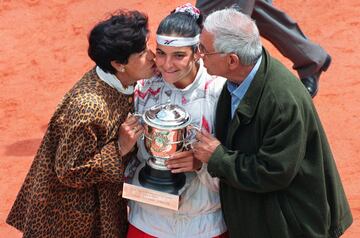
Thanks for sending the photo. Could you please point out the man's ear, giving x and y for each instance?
(117, 66)
(233, 61)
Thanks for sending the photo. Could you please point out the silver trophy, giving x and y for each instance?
(168, 129)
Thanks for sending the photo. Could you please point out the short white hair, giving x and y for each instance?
(235, 32)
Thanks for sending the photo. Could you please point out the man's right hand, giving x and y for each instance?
(205, 146)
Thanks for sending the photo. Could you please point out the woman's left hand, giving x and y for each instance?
(183, 161)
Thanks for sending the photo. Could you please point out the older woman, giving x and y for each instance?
(72, 187)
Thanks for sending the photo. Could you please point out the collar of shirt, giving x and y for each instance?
(114, 82)
(238, 91)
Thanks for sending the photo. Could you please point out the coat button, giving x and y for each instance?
(130, 99)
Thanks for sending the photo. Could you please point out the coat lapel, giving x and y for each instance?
(223, 112)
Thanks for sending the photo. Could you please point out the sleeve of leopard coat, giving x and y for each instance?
(80, 164)
(86, 154)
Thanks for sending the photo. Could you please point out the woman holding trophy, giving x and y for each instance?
(185, 82)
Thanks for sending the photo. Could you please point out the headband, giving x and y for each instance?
(177, 41)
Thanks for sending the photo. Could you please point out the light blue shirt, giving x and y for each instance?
(237, 92)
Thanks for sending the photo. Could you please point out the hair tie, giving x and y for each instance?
(188, 8)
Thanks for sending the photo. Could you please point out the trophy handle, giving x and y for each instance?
(191, 131)
(136, 114)
(139, 116)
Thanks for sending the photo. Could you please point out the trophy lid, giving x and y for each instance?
(167, 116)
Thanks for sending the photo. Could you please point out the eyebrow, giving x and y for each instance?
(176, 52)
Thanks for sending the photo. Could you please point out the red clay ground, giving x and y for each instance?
(43, 52)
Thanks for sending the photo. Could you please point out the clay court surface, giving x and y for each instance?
(43, 53)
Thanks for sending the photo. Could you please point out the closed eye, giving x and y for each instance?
(160, 53)
(179, 56)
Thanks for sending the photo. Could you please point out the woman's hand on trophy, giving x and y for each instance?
(129, 131)
(183, 161)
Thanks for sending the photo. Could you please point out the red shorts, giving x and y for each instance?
(134, 232)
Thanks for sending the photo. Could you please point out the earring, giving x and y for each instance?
(122, 69)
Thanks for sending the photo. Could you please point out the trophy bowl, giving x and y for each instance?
(167, 130)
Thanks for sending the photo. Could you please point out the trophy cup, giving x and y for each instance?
(167, 129)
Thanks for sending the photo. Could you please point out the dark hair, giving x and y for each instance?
(116, 38)
(181, 24)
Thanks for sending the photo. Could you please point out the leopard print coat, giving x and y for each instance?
(73, 184)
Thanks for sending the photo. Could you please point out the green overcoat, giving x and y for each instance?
(277, 174)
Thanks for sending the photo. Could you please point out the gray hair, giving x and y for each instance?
(235, 32)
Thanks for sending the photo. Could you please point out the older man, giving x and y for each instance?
(277, 174)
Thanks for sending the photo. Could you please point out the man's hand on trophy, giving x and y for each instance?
(205, 146)
(183, 161)
(129, 131)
